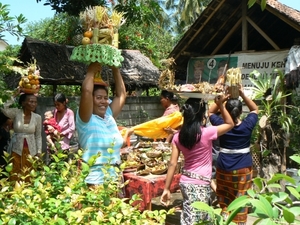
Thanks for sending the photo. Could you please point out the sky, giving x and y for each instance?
(35, 12)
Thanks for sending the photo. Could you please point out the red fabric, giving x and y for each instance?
(51, 122)
(148, 187)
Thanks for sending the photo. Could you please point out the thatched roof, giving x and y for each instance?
(219, 30)
(137, 70)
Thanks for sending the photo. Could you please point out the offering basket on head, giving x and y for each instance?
(99, 39)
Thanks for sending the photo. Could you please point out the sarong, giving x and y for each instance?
(231, 185)
(21, 165)
(192, 193)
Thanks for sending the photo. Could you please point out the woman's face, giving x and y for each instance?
(165, 102)
(60, 106)
(101, 102)
(30, 103)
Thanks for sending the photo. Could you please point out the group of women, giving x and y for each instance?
(194, 139)
(98, 132)
(27, 130)
(234, 163)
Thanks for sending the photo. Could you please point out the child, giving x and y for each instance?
(52, 129)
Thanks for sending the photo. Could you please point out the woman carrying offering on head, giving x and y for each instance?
(194, 140)
(234, 163)
(96, 125)
(27, 138)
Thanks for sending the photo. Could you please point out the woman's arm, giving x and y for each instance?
(7, 111)
(228, 122)
(165, 198)
(249, 103)
(86, 100)
(120, 93)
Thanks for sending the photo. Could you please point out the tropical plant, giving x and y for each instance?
(12, 25)
(57, 194)
(7, 58)
(268, 202)
(275, 123)
(60, 29)
(151, 40)
(294, 143)
(140, 12)
(184, 13)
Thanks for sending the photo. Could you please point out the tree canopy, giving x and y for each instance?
(10, 24)
(72, 7)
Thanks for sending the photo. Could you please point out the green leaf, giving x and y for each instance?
(295, 158)
(251, 193)
(239, 202)
(279, 197)
(60, 221)
(251, 3)
(288, 216)
(275, 212)
(293, 191)
(12, 221)
(203, 206)
(258, 181)
(278, 177)
(295, 210)
(263, 4)
(262, 207)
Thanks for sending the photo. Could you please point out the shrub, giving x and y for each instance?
(57, 194)
(268, 203)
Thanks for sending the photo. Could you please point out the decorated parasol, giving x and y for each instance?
(99, 39)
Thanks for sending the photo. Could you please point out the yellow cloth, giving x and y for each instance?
(155, 128)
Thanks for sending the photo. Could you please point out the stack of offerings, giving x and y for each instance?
(30, 78)
(233, 81)
(99, 39)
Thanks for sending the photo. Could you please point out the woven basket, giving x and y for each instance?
(29, 91)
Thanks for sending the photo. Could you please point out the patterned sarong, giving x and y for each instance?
(230, 185)
(21, 165)
(192, 193)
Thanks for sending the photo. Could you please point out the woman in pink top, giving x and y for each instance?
(65, 119)
(194, 140)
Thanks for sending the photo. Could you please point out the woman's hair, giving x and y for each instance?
(23, 98)
(97, 87)
(169, 95)
(59, 97)
(234, 107)
(3, 118)
(193, 119)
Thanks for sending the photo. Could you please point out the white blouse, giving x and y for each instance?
(32, 132)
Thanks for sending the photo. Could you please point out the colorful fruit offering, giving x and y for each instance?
(30, 76)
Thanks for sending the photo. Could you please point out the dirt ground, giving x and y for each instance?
(175, 201)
